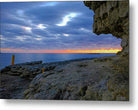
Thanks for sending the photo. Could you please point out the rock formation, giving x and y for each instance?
(112, 17)
(105, 78)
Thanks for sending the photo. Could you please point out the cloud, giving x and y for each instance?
(27, 29)
(67, 18)
(41, 26)
(20, 12)
(51, 25)
(66, 35)
(49, 4)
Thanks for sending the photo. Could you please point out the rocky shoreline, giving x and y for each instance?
(83, 79)
(105, 78)
(24, 73)
(31, 69)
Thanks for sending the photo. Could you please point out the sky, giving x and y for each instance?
(52, 27)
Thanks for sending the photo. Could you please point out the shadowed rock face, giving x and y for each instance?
(112, 17)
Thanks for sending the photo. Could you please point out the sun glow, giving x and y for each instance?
(111, 50)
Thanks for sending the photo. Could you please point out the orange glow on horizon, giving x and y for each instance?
(103, 50)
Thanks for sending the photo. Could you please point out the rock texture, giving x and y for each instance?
(25, 70)
(112, 17)
(90, 79)
(97, 79)
(15, 79)
(105, 78)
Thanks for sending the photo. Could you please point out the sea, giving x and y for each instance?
(5, 58)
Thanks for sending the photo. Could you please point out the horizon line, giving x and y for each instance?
(102, 50)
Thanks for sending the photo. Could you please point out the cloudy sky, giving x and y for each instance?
(50, 26)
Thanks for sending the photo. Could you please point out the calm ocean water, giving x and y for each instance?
(5, 58)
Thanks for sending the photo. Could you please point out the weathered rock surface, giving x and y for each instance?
(94, 79)
(112, 17)
(82, 80)
(26, 70)
(12, 87)
(16, 78)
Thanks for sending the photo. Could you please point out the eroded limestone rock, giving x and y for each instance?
(112, 17)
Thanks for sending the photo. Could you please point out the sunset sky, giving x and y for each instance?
(52, 27)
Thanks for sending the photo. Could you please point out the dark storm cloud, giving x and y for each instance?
(54, 14)
(50, 25)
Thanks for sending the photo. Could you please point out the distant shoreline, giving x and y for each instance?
(48, 59)
(41, 64)
(31, 63)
